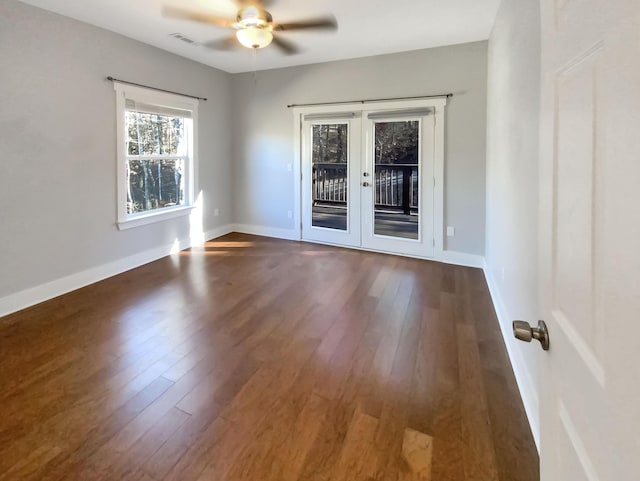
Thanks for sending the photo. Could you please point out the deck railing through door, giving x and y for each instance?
(396, 186)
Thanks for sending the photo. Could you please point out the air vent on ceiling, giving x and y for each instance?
(181, 37)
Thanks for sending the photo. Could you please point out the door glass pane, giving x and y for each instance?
(329, 176)
(396, 179)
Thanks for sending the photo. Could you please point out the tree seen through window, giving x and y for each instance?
(156, 148)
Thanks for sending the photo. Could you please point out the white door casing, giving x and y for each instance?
(590, 240)
(431, 243)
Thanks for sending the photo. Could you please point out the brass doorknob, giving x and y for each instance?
(523, 331)
(365, 184)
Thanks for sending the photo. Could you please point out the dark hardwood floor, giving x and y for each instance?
(264, 360)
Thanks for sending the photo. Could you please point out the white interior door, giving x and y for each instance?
(590, 240)
(398, 181)
(331, 166)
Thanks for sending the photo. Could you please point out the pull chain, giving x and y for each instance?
(254, 62)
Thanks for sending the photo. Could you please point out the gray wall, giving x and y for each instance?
(512, 180)
(263, 128)
(58, 144)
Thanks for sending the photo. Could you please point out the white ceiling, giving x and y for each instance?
(366, 27)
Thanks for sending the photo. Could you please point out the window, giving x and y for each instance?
(156, 161)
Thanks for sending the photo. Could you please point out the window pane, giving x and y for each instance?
(396, 179)
(154, 184)
(329, 177)
(152, 134)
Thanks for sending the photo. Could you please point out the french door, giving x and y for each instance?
(367, 179)
(331, 207)
(397, 201)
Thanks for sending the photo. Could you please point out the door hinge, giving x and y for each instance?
(433, 242)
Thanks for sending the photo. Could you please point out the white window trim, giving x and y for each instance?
(123, 92)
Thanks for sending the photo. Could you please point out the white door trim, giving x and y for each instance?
(437, 104)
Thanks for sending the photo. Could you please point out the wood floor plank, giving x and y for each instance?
(351, 386)
(30, 465)
(325, 452)
(199, 453)
(221, 458)
(448, 447)
(169, 399)
(261, 359)
(417, 450)
(422, 399)
(202, 394)
(79, 416)
(169, 454)
(359, 457)
(396, 408)
(69, 463)
(301, 438)
(163, 430)
(479, 452)
(109, 463)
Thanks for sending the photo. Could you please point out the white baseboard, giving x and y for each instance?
(218, 232)
(277, 232)
(526, 385)
(448, 257)
(35, 295)
(460, 259)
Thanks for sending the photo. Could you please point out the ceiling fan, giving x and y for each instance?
(254, 26)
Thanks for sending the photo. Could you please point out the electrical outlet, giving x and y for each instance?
(289, 167)
(290, 214)
(216, 212)
(502, 273)
(451, 231)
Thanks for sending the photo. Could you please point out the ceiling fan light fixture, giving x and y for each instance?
(254, 27)
(254, 37)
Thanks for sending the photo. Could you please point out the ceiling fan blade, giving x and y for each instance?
(210, 18)
(320, 23)
(287, 47)
(226, 43)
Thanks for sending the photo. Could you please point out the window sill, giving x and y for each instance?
(151, 218)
